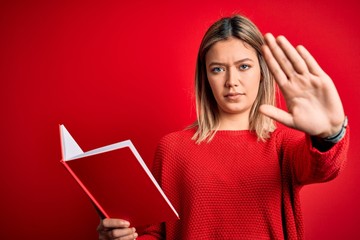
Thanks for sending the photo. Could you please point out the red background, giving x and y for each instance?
(111, 71)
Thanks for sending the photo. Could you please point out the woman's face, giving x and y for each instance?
(233, 72)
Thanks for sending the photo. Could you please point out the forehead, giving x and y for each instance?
(231, 49)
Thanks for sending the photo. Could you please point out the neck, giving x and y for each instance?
(234, 121)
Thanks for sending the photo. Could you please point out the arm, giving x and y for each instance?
(305, 163)
(153, 232)
(314, 107)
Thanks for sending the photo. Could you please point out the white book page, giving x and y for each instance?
(107, 148)
(69, 146)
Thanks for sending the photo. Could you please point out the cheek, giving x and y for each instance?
(253, 85)
(255, 88)
(215, 85)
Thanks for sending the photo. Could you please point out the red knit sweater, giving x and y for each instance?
(236, 187)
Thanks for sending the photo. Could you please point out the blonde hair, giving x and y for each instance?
(207, 111)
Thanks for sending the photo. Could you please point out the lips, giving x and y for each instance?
(234, 95)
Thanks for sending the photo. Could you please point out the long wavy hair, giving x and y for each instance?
(207, 111)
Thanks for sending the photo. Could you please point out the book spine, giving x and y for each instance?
(98, 207)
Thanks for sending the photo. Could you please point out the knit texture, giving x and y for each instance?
(236, 187)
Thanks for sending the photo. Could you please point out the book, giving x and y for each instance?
(117, 181)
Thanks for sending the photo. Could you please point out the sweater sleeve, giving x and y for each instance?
(309, 165)
(153, 232)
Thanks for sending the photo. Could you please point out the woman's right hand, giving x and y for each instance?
(111, 228)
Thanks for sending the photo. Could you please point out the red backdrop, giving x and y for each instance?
(116, 70)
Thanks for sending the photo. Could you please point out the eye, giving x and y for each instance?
(244, 66)
(217, 69)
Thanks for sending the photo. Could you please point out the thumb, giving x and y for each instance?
(277, 114)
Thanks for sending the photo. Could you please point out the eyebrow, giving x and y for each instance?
(237, 62)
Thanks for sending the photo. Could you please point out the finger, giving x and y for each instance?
(277, 114)
(100, 227)
(122, 233)
(274, 67)
(279, 55)
(310, 61)
(292, 54)
(115, 223)
(128, 237)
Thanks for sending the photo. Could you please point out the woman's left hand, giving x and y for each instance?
(313, 103)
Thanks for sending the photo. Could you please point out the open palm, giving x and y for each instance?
(313, 103)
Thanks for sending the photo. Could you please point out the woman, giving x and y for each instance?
(233, 174)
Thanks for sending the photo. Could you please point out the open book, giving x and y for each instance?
(117, 181)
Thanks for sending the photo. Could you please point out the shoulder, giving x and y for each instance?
(177, 139)
(174, 146)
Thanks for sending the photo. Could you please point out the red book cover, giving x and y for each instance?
(117, 181)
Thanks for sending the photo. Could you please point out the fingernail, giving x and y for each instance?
(126, 223)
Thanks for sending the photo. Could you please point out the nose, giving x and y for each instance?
(232, 78)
